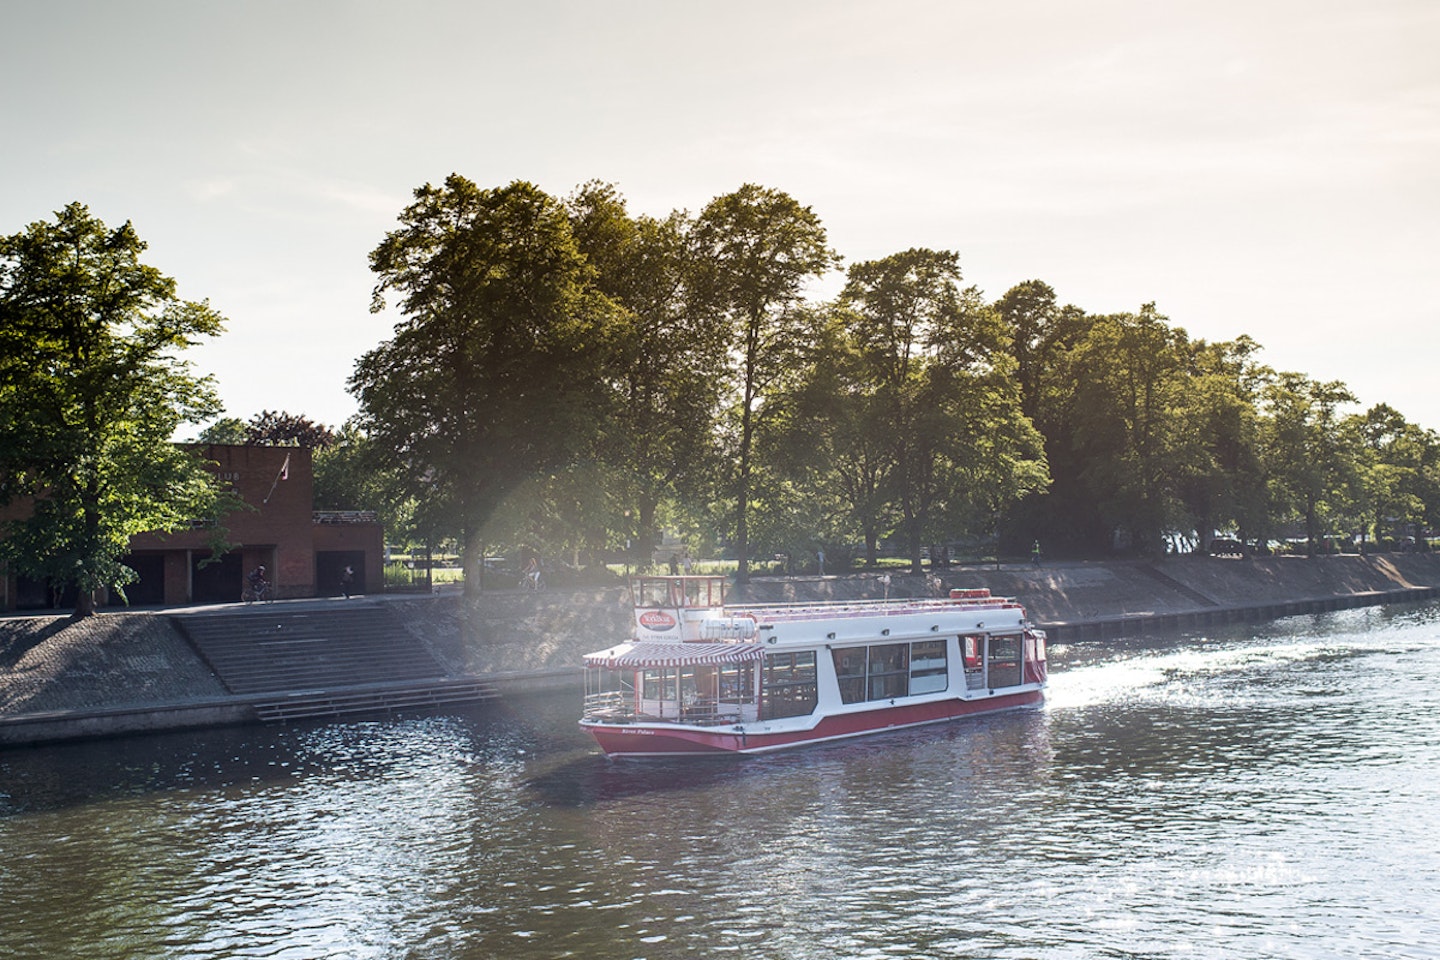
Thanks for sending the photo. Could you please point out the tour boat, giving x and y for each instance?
(702, 677)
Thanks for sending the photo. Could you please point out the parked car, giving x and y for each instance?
(1226, 547)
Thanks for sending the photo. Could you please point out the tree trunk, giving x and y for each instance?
(472, 563)
(84, 606)
(646, 535)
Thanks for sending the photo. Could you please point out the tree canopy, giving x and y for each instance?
(91, 394)
(570, 378)
(493, 374)
(755, 250)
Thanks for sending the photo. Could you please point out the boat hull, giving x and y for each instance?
(669, 740)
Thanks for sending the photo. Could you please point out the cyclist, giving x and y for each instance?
(532, 580)
(258, 585)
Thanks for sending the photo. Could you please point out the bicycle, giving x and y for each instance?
(533, 581)
(256, 592)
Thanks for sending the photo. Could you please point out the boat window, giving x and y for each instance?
(703, 593)
(661, 683)
(1005, 661)
(1034, 647)
(973, 652)
(889, 671)
(850, 671)
(736, 683)
(928, 673)
(652, 593)
(789, 686)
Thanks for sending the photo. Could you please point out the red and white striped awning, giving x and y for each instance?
(652, 653)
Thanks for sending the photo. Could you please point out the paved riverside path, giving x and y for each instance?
(134, 670)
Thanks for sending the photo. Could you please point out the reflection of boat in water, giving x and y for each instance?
(703, 677)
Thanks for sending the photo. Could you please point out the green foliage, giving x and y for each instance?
(229, 431)
(1311, 467)
(270, 428)
(352, 472)
(661, 368)
(935, 385)
(755, 249)
(493, 375)
(91, 394)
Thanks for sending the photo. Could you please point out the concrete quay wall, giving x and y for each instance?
(123, 673)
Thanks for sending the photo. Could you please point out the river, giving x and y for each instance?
(1258, 792)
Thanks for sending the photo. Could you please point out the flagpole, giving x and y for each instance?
(284, 474)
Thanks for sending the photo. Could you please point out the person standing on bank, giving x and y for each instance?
(347, 580)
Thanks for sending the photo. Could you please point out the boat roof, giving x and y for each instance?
(656, 653)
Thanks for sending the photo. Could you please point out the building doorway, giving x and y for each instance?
(330, 567)
(217, 581)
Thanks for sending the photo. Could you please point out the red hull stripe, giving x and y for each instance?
(637, 740)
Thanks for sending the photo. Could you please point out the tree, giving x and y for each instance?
(1129, 373)
(663, 361)
(1046, 340)
(353, 473)
(270, 428)
(494, 374)
(829, 437)
(91, 393)
(1393, 458)
(1310, 465)
(230, 431)
(938, 379)
(1217, 468)
(756, 248)
(1030, 312)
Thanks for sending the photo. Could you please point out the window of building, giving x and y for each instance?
(788, 686)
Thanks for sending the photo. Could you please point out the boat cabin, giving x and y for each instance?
(689, 660)
(695, 661)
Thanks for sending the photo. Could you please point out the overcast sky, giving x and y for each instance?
(1261, 167)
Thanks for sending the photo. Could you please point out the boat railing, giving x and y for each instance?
(619, 707)
(787, 612)
(613, 705)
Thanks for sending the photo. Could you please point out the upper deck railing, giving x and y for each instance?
(792, 612)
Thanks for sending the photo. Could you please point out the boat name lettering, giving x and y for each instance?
(656, 620)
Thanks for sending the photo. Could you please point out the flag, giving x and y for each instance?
(284, 474)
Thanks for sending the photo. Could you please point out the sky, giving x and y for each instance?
(1259, 167)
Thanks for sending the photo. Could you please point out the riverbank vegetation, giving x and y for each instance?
(572, 381)
(909, 414)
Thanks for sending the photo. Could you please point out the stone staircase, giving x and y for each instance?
(1151, 571)
(355, 658)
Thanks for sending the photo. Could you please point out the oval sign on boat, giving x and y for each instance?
(657, 620)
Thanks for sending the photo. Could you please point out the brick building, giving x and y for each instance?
(304, 551)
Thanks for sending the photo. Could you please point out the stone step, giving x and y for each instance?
(331, 703)
(280, 650)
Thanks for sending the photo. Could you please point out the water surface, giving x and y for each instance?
(1259, 793)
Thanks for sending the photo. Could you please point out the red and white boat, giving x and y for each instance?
(703, 677)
